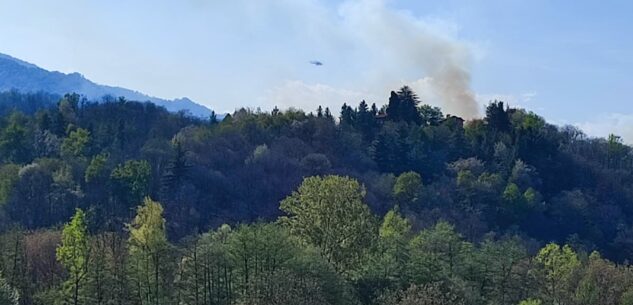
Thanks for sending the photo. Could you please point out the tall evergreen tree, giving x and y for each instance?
(347, 115)
(394, 107)
(328, 114)
(213, 118)
(497, 117)
(409, 105)
(366, 121)
(403, 106)
(319, 112)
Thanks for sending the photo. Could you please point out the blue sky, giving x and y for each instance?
(569, 61)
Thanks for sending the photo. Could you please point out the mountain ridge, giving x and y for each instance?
(16, 74)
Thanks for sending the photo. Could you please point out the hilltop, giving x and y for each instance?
(16, 74)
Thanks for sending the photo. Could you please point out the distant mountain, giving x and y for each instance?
(27, 77)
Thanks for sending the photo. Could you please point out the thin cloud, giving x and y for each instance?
(297, 94)
(620, 124)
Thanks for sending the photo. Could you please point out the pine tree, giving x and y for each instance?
(328, 114)
(409, 105)
(393, 108)
(374, 109)
(347, 115)
(213, 118)
(403, 106)
(366, 121)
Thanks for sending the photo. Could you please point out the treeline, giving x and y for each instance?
(328, 249)
(508, 175)
(29, 103)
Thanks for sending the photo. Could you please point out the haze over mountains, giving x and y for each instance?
(26, 77)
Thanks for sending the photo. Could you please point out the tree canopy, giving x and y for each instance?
(121, 202)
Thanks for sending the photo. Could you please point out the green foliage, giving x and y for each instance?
(403, 106)
(497, 116)
(616, 151)
(8, 178)
(96, 168)
(627, 297)
(512, 194)
(394, 226)
(430, 294)
(558, 262)
(73, 254)
(274, 270)
(499, 269)
(465, 178)
(260, 152)
(408, 186)
(256, 264)
(531, 196)
(149, 262)
(76, 144)
(557, 265)
(208, 270)
(68, 107)
(389, 148)
(531, 302)
(13, 262)
(601, 282)
(430, 116)
(259, 250)
(8, 294)
(386, 267)
(316, 164)
(131, 180)
(106, 280)
(523, 175)
(147, 230)
(329, 213)
(438, 254)
(531, 121)
(14, 144)
(508, 174)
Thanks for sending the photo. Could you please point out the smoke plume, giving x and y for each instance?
(452, 84)
(406, 46)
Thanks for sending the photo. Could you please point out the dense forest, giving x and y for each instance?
(121, 202)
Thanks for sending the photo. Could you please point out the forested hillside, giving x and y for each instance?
(19, 75)
(127, 203)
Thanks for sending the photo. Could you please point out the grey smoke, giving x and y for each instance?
(403, 44)
(452, 83)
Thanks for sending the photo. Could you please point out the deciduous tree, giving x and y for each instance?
(329, 213)
(74, 254)
(149, 262)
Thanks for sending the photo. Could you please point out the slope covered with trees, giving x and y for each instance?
(19, 75)
(126, 203)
